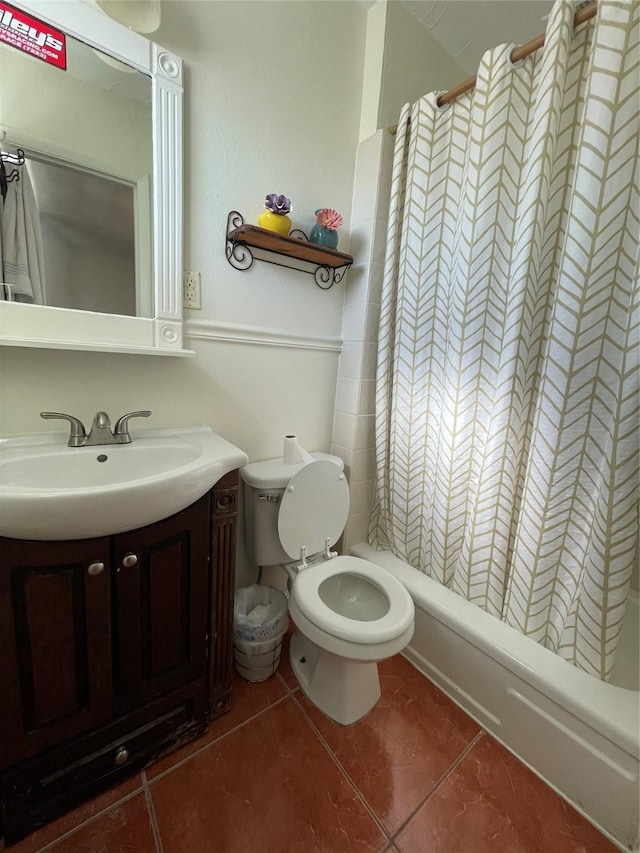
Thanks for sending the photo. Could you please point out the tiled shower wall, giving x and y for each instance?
(353, 429)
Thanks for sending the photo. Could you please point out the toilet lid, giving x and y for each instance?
(314, 508)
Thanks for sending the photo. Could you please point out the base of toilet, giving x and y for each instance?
(342, 689)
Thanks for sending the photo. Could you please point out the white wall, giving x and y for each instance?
(272, 104)
(264, 112)
(373, 67)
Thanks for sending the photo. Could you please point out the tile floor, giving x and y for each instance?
(274, 775)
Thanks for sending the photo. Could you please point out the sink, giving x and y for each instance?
(51, 491)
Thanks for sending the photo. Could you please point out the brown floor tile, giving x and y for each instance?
(269, 787)
(52, 831)
(495, 804)
(403, 746)
(247, 700)
(125, 828)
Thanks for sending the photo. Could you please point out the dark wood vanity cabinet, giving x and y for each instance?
(55, 644)
(113, 651)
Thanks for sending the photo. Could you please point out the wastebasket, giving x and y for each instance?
(259, 625)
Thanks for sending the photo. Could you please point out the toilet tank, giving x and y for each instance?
(265, 483)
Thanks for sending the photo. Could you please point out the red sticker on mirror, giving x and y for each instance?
(32, 36)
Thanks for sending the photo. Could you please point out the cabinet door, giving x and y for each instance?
(55, 643)
(162, 592)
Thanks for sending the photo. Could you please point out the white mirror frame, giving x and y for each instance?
(60, 328)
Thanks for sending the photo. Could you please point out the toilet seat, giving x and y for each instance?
(398, 618)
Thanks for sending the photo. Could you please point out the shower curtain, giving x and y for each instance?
(507, 388)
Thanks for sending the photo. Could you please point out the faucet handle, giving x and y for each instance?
(77, 436)
(121, 429)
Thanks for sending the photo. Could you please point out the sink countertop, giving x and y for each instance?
(49, 491)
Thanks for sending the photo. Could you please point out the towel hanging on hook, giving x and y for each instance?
(16, 159)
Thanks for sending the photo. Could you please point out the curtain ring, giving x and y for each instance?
(438, 107)
(510, 62)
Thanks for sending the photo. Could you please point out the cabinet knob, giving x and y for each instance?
(122, 756)
(129, 560)
(95, 568)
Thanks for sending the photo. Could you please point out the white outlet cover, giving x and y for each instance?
(191, 290)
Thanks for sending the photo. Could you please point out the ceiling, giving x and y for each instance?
(467, 28)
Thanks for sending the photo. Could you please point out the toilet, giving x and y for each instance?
(348, 613)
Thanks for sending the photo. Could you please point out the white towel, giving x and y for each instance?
(21, 252)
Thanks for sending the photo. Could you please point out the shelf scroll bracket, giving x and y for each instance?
(326, 277)
(239, 255)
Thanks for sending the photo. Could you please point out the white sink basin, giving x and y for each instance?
(51, 491)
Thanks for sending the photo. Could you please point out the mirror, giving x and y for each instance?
(109, 204)
(90, 179)
(87, 234)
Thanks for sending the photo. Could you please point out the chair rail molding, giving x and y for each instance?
(258, 335)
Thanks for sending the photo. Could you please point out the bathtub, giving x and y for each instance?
(578, 733)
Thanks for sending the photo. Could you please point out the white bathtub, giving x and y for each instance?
(581, 735)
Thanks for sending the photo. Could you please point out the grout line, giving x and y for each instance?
(358, 793)
(152, 813)
(218, 739)
(439, 782)
(290, 690)
(91, 819)
(145, 783)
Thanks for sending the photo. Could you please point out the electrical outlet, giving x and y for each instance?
(191, 290)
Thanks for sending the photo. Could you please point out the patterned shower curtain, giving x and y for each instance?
(507, 398)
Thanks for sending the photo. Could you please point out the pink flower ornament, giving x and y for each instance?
(329, 218)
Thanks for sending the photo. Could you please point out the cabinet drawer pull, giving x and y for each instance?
(129, 560)
(122, 756)
(95, 568)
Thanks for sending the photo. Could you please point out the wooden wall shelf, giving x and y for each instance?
(329, 265)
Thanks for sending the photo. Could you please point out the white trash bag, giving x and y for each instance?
(260, 623)
(259, 613)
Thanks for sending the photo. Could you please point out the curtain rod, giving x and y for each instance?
(517, 54)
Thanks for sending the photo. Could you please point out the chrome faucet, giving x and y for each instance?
(100, 430)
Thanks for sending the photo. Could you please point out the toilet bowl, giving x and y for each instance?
(348, 618)
(349, 613)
